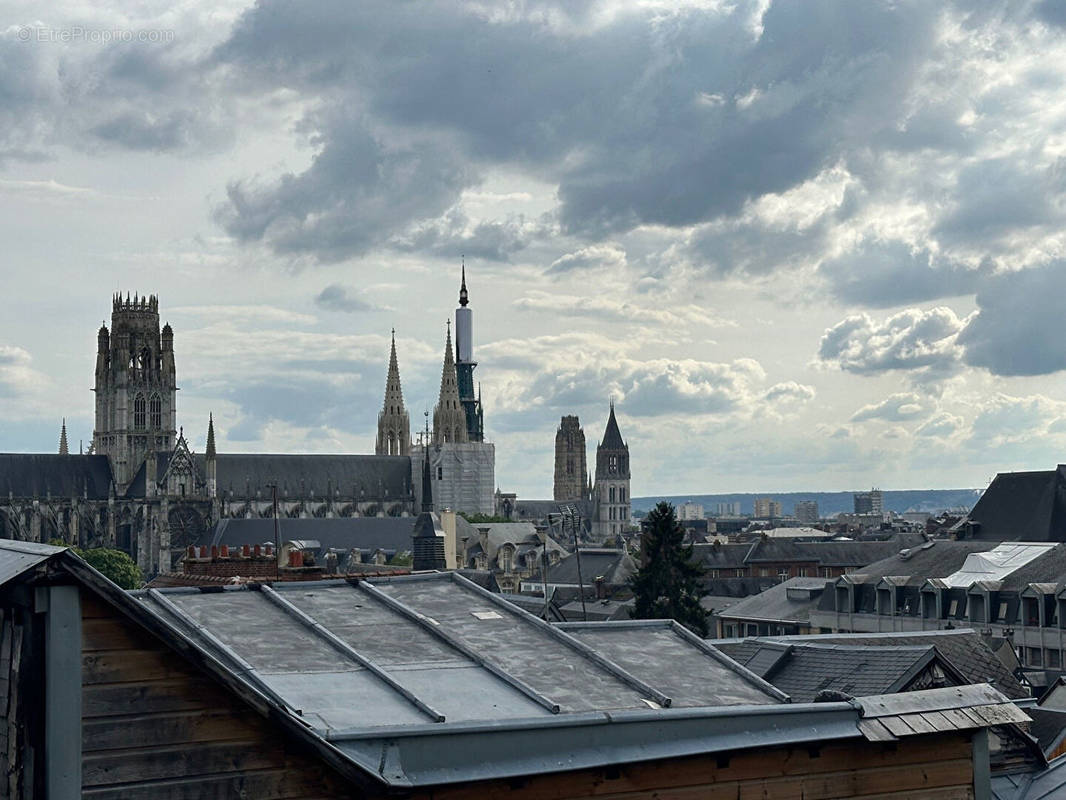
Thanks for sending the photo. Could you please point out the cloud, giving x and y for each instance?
(899, 407)
(598, 256)
(910, 340)
(339, 298)
(1016, 328)
(883, 274)
(17, 376)
(609, 309)
(941, 425)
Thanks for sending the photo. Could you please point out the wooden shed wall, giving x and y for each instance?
(933, 767)
(155, 727)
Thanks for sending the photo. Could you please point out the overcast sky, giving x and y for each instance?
(804, 245)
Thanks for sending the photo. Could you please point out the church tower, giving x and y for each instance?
(136, 391)
(465, 364)
(394, 423)
(449, 420)
(570, 466)
(611, 492)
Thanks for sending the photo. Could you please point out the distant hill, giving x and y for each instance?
(829, 503)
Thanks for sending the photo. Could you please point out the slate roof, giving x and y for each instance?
(615, 566)
(963, 648)
(359, 477)
(596, 610)
(1048, 726)
(612, 437)
(721, 556)
(368, 534)
(1023, 506)
(780, 603)
(936, 559)
(40, 474)
(802, 670)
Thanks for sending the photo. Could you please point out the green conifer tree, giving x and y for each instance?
(667, 585)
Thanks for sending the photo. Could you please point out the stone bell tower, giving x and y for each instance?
(136, 391)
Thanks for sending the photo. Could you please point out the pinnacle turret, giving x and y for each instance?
(63, 449)
(449, 418)
(394, 423)
(463, 297)
(209, 451)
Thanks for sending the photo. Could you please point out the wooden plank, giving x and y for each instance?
(126, 766)
(185, 694)
(297, 780)
(118, 666)
(738, 767)
(898, 781)
(898, 725)
(918, 723)
(873, 730)
(116, 733)
(92, 607)
(940, 721)
(113, 634)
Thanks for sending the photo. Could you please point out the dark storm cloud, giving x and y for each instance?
(339, 298)
(644, 119)
(1016, 330)
(886, 274)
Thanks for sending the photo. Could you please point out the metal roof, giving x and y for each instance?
(381, 652)
(17, 557)
(428, 680)
(997, 563)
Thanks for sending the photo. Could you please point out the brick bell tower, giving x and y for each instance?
(136, 390)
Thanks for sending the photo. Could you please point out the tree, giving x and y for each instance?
(113, 564)
(667, 585)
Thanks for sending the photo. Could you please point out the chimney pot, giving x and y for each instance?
(245, 551)
(214, 552)
(257, 550)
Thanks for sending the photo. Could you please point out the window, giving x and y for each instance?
(622, 495)
(507, 559)
(610, 493)
(138, 412)
(155, 408)
(954, 608)
(440, 473)
(1034, 654)
(1002, 615)
(1053, 659)
(801, 572)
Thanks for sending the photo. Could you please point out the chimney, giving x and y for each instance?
(601, 588)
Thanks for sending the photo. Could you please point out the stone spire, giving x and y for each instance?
(394, 423)
(63, 450)
(449, 418)
(210, 450)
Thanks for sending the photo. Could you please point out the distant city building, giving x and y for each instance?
(766, 507)
(571, 468)
(690, 510)
(871, 502)
(731, 509)
(806, 511)
(610, 496)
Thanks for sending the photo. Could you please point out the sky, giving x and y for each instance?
(810, 245)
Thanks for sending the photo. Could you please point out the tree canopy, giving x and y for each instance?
(115, 565)
(667, 585)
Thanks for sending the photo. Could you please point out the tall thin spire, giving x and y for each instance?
(210, 449)
(394, 423)
(463, 298)
(63, 450)
(449, 418)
